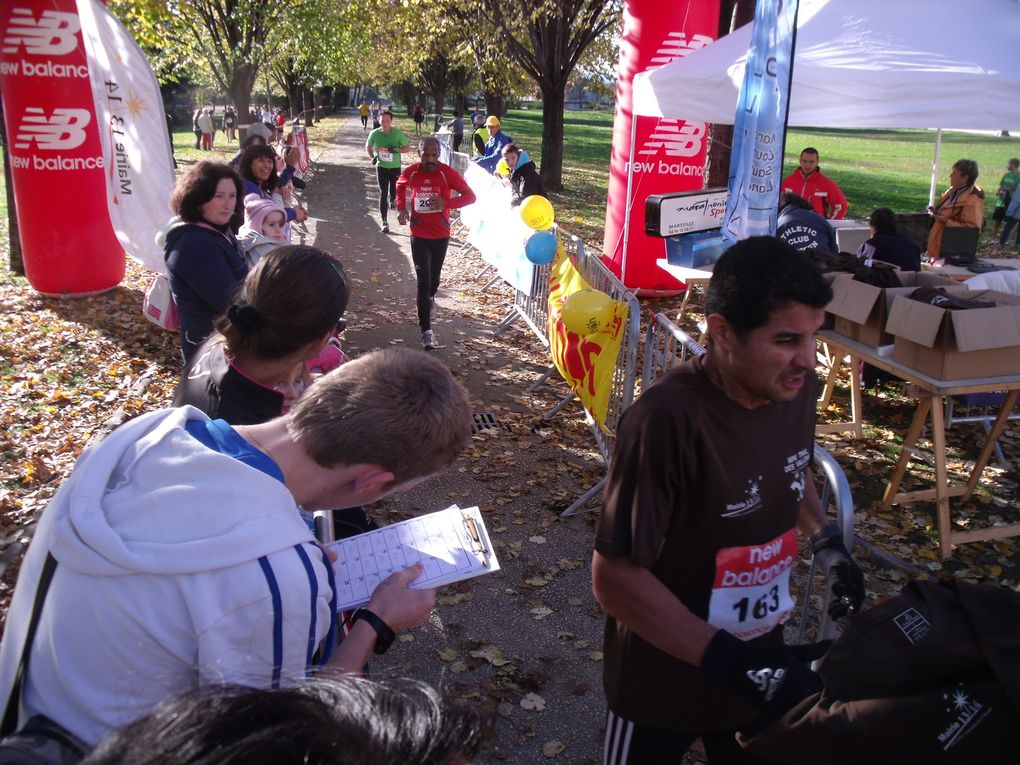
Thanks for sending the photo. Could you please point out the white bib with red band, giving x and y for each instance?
(751, 593)
(427, 202)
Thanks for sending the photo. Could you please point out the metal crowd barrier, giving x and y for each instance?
(624, 379)
(667, 346)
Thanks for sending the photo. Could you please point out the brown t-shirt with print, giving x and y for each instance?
(706, 495)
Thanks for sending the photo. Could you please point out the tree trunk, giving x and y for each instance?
(309, 107)
(439, 99)
(241, 85)
(495, 104)
(14, 259)
(552, 138)
(732, 15)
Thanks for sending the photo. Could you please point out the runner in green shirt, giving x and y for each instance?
(384, 146)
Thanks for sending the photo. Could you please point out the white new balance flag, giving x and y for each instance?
(136, 146)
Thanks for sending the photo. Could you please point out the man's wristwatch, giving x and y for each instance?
(384, 635)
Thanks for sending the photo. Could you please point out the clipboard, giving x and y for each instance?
(452, 545)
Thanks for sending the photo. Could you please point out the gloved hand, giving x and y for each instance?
(375, 159)
(844, 577)
(773, 678)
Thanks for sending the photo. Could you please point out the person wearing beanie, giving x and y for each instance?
(493, 151)
(264, 229)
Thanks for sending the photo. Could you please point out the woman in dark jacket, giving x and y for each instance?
(524, 177)
(203, 261)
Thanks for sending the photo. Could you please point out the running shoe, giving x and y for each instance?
(428, 341)
(385, 227)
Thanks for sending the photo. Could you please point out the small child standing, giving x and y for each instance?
(264, 229)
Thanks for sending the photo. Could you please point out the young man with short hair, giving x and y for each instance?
(182, 560)
(821, 191)
(709, 483)
(434, 188)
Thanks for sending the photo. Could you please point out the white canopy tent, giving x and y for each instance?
(865, 64)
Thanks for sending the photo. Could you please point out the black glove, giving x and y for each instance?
(772, 678)
(845, 579)
(375, 159)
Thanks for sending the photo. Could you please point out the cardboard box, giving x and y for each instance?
(860, 310)
(958, 345)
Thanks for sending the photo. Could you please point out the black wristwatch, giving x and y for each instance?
(384, 635)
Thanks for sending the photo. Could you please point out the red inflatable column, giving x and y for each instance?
(669, 155)
(60, 187)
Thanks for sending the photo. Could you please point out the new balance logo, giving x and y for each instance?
(676, 45)
(64, 129)
(674, 138)
(54, 34)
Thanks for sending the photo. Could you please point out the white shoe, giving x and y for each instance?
(429, 342)
(385, 227)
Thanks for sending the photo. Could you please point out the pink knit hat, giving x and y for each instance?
(256, 209)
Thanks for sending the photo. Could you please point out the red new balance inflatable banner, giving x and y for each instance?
(669, 155)
(57, 164)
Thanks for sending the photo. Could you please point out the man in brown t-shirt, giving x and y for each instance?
(709, 483)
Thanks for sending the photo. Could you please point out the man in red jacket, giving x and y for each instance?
(435, 189)
(821, 191)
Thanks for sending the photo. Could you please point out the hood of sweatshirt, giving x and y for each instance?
(152, 499)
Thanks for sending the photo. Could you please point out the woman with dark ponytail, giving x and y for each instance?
(287, 310)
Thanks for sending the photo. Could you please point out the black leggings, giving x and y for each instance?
(364, 121)
(627, 743)
(387, 177)
(428, 256)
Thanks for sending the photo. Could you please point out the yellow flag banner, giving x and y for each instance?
(586, 361)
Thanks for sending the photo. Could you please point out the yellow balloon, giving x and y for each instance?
(502, 168)
(587, 311)
(537, 212)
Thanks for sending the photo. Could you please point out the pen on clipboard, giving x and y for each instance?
(476, 537)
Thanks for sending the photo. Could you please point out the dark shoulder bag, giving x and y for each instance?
(41, 741)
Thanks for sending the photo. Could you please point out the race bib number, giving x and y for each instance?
(385, 155)
(427, 203)
(751, 592)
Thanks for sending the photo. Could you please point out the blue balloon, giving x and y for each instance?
(541, 247)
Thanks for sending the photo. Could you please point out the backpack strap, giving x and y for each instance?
(10, 719)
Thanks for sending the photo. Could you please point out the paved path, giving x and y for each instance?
(524, 644)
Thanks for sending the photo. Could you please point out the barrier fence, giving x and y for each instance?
(667, 346)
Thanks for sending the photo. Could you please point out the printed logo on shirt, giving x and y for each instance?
(912, 624)
(750, 502)
(54, 34)
(797, 464)
(969, 712)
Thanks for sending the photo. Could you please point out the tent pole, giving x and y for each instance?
(935, 167)
(630, 204)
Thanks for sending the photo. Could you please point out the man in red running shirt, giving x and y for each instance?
(821, 191)
(432, 186)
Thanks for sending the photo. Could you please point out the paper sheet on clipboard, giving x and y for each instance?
(453, 544)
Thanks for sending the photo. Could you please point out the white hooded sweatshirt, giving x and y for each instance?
(177, 566)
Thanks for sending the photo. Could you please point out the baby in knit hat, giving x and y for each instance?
(264, 229)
